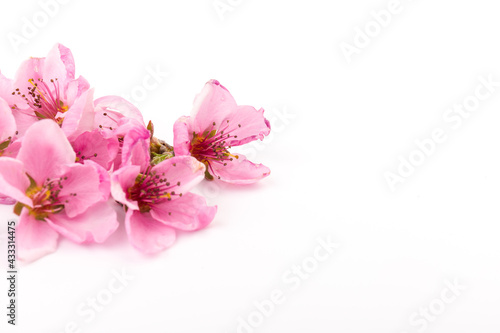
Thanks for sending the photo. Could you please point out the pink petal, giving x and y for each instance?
(80, 116)
(119, 105)
(121, 181)
(95, 225)
(146, 234)
(7, 123)
(93, 146)
(44, 149)
(213, 104)
(4, 200)
(104, 179)
(34, 238)
(13, 149)
(29, 69)
(240, 171)
(24, 120)
(59, 64)
(253, 126)
(6, 89)
(216, 105)
(135, 148)
(80, 188)
(182, 136)
(107, 121)
(13, 180)
(189, 212)
(185, 171)
(74, 89)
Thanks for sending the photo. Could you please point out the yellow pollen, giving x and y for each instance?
(235, 156)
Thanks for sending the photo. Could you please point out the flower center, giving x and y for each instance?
(44, 99)
(211, 146)
(150, 188)
(45, 198)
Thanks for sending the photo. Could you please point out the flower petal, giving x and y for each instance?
(118, 105)
(189, 212)
(95, 225)
(80, 116)
(13, 149)
(44, 150)
(4, 200)
(146, 234)
(121, 181)
(34, 238)
(80, 188)
(59, 64)
(213, 104)
(182, 136)
(24, 120)
(184, 172)
(104, 179)
(240, 171)
(7, 123)
(13, 180)
(74, 89)
(93, 146)
(30, 69)
(246, 124)
(6, 89)
(135, 149)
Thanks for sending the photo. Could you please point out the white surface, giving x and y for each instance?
(352, 121)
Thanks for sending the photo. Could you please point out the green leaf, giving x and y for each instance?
(18, 208)
(4, 144)
(208, 176)
(39, 115)
(32, 183)
(158, 158)
(212, 134)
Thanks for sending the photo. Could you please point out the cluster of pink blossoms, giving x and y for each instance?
(67, 161)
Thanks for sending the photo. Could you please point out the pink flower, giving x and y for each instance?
(120, 120)
(54, 194)
(158, 201)
(7, 133)
(46, 88)
(109, 110)
(7, 126)
(216, 124)
(95, 147)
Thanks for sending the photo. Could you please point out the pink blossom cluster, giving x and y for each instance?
(68, 161)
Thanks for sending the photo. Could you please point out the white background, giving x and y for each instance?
(338, 127)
